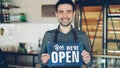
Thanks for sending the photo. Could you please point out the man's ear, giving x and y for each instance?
(74, 13)
(56, 14)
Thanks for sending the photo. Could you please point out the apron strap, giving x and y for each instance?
(75, 36)
(55, 37)
(73, 31)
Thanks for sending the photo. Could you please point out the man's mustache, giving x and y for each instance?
(65, 18)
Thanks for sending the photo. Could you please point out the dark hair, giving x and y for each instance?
(64, 2)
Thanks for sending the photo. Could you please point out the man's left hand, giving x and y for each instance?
(86, 56)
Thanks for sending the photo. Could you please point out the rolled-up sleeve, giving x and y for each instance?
(46, 38)
(82, 37)
(87, 47)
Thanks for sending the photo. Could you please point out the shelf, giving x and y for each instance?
(97, 37)
(92, 8)
(113, 2)
(16, 55)
(90, 2)
(98, 2)
(5, 6)
(9, 7)
(16, 66)
(114, 15)
(113, 40)
(106, 56)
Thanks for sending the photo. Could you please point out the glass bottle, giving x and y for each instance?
(39, 46)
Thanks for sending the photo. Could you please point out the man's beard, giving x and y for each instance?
(65, 24)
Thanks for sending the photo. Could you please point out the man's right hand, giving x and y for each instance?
(45, 57)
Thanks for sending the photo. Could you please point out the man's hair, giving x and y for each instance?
(64, 2)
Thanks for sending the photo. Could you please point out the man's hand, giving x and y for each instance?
(45, 58)
(86, 56)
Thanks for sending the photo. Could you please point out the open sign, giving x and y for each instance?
(65, 54)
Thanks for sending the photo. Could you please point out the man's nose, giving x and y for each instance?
(65, 15)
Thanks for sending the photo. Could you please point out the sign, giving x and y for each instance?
(65, 54)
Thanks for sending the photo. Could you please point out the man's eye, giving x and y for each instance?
(60, 11)
(69, 11)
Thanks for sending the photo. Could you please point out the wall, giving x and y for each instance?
(28, 32)
(31, 8)
(32, 30)
(24, 32)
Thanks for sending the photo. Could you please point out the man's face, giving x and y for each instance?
(65, 14)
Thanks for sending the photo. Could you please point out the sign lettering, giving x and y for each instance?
(65, 54)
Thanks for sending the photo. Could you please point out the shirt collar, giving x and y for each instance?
(58, 29)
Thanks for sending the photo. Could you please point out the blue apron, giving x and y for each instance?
(65, 54)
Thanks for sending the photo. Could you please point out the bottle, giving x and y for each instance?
(7, 17)
(39, 46)
(1, 17)
(22, 48)
(23, 17)
(4, 16)
(5, 3)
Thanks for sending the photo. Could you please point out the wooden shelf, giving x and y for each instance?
(92, 8)
(98, 37)
(17, 66)
(10, 7)
(16, 55)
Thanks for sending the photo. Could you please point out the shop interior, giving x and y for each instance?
(23, 24)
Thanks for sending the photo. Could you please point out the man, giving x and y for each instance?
(65, 33)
